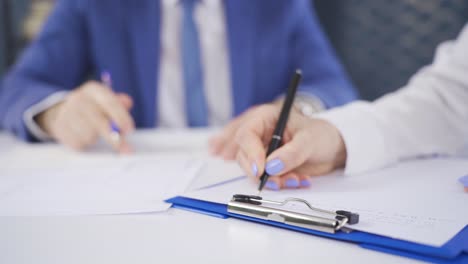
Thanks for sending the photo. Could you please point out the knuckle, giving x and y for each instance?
(74, 96)
(91, 85)
(267, 109)
(108, 103)
(87, 87)
(93, 88)
(261, 109)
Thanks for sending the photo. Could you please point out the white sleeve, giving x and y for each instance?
(428, 116)
(36, 109)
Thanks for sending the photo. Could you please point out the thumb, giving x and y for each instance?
(288, 157)
(125, 100)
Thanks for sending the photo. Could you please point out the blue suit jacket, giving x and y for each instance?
(268, 40)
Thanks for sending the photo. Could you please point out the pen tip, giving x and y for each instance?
(106, 78)
(298, 71)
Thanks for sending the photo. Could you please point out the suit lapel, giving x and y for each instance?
(239, 26)
(144, 31)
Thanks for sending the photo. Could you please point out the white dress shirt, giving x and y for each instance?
(210, 20)
(428, 116)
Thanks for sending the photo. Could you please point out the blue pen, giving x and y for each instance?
(106, 78)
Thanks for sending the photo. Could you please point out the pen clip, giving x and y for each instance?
(252, 199)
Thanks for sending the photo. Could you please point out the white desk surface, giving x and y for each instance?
(175, 236)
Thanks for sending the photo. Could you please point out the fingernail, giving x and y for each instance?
(305, 183)
(254, 169)
(464, 180)
(274, 167)
(114, 127)
(292, 183)
(272, 185)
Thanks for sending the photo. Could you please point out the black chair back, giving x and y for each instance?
(383, 43)
(3, 36)
(12, 14)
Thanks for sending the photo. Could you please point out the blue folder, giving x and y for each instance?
(454, 251)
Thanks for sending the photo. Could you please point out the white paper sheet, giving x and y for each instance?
(418, 201)
(45, 179)
(104, 185)
(216, 171)
(15, 154)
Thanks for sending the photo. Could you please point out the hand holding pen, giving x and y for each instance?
(87, 113)
(116, 134)
(277, 137)
(307, 147)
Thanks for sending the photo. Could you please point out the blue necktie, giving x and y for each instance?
(196, 108)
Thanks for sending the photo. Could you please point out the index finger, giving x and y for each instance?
(110, 105)
(251, 146)
(105, 128)
(251, 137)
(119, 143)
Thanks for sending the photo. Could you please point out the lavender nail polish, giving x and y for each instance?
(292, 183)
(305, 183)
(272, 185)
(464, 180)
(274, 167)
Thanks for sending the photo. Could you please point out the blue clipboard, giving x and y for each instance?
(454, 251)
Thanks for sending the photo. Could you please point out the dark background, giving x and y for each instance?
(381, 43)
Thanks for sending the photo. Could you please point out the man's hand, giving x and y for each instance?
(86, 114)
(311, 147)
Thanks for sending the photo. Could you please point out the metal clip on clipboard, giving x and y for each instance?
(254, 206)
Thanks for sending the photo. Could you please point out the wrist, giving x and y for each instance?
(341, 156)
(46, 119)
(336, 145)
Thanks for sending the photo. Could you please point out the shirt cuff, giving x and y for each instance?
(34, 110)
(365, 144)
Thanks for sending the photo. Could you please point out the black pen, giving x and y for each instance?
(277, 137)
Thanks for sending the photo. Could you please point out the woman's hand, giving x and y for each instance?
(310, 147)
